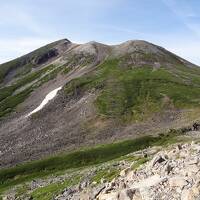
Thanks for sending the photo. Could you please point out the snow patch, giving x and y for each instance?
(48, 97)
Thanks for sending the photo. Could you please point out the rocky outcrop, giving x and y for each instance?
(171, 174)
(46, 56)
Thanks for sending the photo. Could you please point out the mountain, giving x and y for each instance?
(92, 94)
(95, 121)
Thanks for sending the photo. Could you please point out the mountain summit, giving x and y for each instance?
(64, 96)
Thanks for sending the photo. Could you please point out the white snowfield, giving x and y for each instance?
(48, 97)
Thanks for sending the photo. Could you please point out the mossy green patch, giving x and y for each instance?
(9, 100)
(50, 191)
(22, 190)
(8, 91)
(66, 69)
(139, 162)
(106, 174)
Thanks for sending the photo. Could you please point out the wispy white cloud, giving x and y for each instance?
(186, 13)
(16, 15)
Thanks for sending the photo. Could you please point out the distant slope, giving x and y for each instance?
(108, 93)
(25, 64)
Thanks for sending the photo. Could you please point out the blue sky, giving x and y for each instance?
(28, 24)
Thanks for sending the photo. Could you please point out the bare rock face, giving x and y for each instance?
(46, 56)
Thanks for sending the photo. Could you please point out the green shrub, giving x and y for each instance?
(80, 158)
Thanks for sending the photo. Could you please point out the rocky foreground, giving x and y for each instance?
(156, 173)
(173, 173)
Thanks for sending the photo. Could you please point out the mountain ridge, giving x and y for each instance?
(109, 93)
(60, 45)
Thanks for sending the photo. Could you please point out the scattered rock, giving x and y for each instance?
(158, 159)
(110, 196)
(124, 172)
(126, 194)
(171, 174)
(177, 182)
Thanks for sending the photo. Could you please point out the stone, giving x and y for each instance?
(193, 161)
(150, 181)
(157, 159)
(109, 196)
(126, 194)
(137, 197)
(124, 172)
(152, 151)
(179, 147)
(191, 194)
(96, 191)
(191, 170)
(68, 192)
(177, 182)
(94, 183)
(83, 184)
(103, 180)
(172, 174)
(130, 175)
(167, 168)
(122, 185)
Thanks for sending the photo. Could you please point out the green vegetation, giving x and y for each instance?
(125, 93)
(106, 174)
(81, 158)
(139, 162)
(80, 59)
(22, 71)
(23, 67)
(7, 67)
(66, 69)
(134, 94)
(9, 100)
(24, 63)
(21, 190)
(7, 91)
(51, 190)
(53, 72)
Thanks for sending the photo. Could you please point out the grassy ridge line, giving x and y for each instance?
(86, 157)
